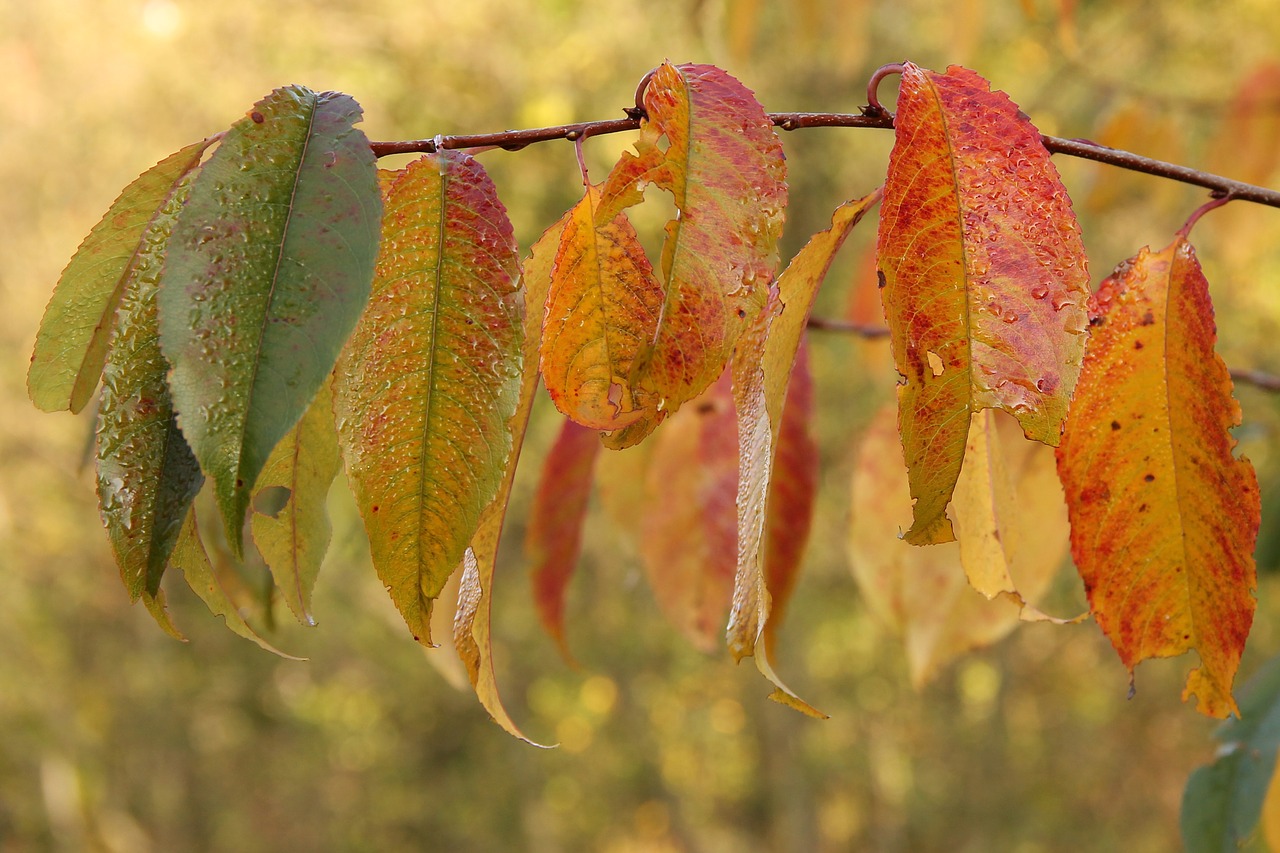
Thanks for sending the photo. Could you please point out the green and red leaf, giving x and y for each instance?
(71, 346)
(984, 274)
(718, 258)
(1163, 516)
(431, 376)
(266, 274)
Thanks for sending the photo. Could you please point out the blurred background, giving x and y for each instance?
(114, 737)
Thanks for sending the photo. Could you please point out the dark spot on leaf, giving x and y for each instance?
(1137, 345)
(1143, 508)
(239, 483)
(706, 408)
(373, 508)
(258, 118)
(1150, 478)
(1115, 425)
(741, 313)
(1148, 319)
(1097, 321)
(880, 282)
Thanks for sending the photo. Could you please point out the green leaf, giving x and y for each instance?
(290, 521)
(190, 557)
(431, 376)
(266, 275)
(147, 476)
(71, 346)
(1223, 800)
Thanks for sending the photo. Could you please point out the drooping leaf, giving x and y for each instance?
(266, 274)
(985, 278)
(471, 625)
(554, 537)
(146, 474)
(723, 164)
(71, 346)
(190, 558)
(762, 367)
(601, 312)
(1163, 516)
(294, 535)
(1222, 801)
(793, 490)
(920, 592)
(688, 532)
(429, 380)
(1009, 513)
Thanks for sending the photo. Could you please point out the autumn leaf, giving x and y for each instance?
(293, 536)
(147, 476)
(554, 536)
(71, 346)
(267, 271)
(472, 622)
(1163, 516)
(1009, 513)
(762, 368)
(984, 277)
(601, 311)
(719, 254)
(190, 557)
(430, 377)
(922, 592)
(688, 532)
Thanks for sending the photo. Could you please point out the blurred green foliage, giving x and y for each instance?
(113, 737)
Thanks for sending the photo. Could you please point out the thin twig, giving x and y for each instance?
(514, 140)
(1257, 378)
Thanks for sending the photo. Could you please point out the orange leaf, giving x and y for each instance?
(602, 308)
(1163, 517)
(688, 533)
(554, 536)
(984, 278)
(724, 165)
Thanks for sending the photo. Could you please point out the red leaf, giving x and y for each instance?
(554, 536)
(984, 278)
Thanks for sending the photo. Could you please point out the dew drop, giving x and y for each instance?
(1040, 291)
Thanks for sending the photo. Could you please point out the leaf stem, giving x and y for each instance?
(514, 140)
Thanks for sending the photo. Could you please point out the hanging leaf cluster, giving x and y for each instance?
(265, 308)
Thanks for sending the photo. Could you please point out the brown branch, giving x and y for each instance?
(1256, 378)
(514, 140)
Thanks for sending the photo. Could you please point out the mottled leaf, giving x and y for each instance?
(471, 625)
(146, 474)
(984, 277)
(723, 164)
(293, 534)
(921, 593)
(601, 311)
(1163, 517)
(553, 539)
(688, 532)
(431, 376)
(266, 274)
(71, 346)
(1222, 801)
(190, 558)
